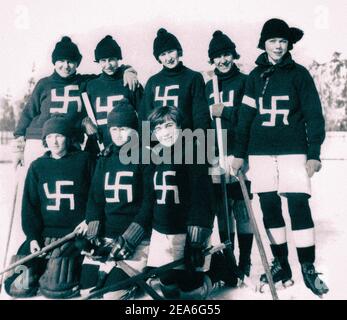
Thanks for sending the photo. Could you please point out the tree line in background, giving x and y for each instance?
(331, 82)
(330, 79)
(11, 109)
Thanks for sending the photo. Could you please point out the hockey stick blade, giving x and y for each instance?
(141, 283)
(151, 273)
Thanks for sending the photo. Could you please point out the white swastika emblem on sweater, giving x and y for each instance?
(58, 195)
(108, 108)
(66, 99)
(167, 97)
(117, 186)
(227, 103)
(274, 111)
(165, 187)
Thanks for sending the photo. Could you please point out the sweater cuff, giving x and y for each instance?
(314, 152)
(93, 229)
(198, 234)
(134, 234)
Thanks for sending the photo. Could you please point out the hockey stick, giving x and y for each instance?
(38, 253)
(91, 115)
(9, 235)
(131, 272)
(257, 235)
(221, 155)
(223, 217)
(151, 273)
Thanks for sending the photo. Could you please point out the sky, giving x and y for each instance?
(30, 29)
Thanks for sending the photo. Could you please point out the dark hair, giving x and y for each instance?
(163, 114)
(226, 52)
(69, 143)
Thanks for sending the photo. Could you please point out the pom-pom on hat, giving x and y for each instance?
(165, 41)
(106, 48)
(65, 49)
(221, 43)
(123, 115)
(277, 28)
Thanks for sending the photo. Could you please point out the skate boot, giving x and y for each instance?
(244, 269)
(312, 281)
(281, 274)
(222, 270)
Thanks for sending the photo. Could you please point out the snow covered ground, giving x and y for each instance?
(328, 205)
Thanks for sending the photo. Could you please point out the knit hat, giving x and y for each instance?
(221, 43)
(66, 49)
(123, 115)
(277, 28)
(58, 123)
(165, 41)
(107, 48)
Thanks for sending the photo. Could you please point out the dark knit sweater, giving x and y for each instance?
(52, 94)
(55, 195)
(231, 86)
(281, 112)
(176, 195)
(115, 195)
(104, 91)
(180, 87)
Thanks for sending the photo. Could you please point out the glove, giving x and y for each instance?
(217, 109)
(196, 243)
(125, 245)
(18, 146)
(107, 151)
(89, 127)
(93, 230)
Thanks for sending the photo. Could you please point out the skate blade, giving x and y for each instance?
(263, 287)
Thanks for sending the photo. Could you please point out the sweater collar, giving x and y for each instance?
(71, 151)
(116, 76)
(234, 71)
(175, 71)
(286, 62)
(58, 78)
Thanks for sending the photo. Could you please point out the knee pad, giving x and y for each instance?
(299, 211)
(61, 277)
(23, 281)
(271, 207)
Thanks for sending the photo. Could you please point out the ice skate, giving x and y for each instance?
(281, 276)
(312, 281)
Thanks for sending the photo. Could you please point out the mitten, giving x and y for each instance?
(125, 245)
